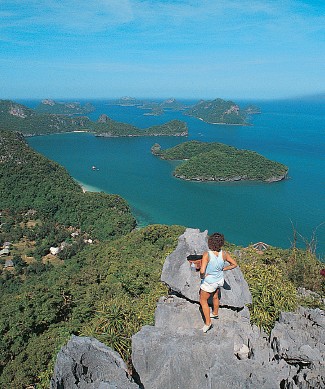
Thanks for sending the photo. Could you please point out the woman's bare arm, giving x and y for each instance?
(232, 262)
(205, 260)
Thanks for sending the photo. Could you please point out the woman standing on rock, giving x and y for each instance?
(211, 273)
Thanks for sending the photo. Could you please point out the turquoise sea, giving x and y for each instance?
(291, 132)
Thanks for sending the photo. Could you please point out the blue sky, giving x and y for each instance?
(190, 49)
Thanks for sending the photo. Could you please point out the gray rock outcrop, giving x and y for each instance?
(233, 354)
(176, 354)
(85, 363)
(176, 272)
(104, 119)
(298, 338)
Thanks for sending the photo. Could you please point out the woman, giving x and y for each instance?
(211, 273)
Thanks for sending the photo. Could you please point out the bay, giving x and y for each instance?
(291, 132)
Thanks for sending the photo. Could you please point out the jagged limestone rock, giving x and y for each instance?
(176, 342)
(299, 339)
(85, 363)
(242, 352)
(233, 354)
(173, 313)
(246, 374)
(171, 358)
(176, 270)
(309, 346)
(177, 275)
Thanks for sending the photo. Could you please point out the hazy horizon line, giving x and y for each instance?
(75, 98)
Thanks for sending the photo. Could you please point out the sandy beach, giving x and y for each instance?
(88, 188)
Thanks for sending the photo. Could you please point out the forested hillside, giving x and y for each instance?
(30, 181)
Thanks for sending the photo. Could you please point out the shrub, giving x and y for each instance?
(271, 293)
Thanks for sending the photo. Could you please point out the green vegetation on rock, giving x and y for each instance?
(17, 117)
(217, 111)
(274, 277)
(107, 127)
(220, 162)
(61, 108)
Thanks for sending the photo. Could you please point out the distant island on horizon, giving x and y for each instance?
(30, 122)
(64, 108)
(51, 116)
(216, 111)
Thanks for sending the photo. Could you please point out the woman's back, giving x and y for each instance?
(214, 269)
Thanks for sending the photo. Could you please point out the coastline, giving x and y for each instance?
(141, 220)
(88, 188)
(58, 133)
(224, 124)
(233, 179)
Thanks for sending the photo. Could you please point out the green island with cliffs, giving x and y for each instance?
(219, 162)
(218, 111)
(17, 117)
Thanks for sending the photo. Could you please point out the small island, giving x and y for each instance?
(253, 110)
(218, 111)
(62, 108)
(205, 161)
(126, 101)
(155, 108)
(155, 111)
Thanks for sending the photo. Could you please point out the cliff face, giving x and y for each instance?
(175, 353)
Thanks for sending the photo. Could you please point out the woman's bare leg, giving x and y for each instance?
(215, 301)
(204, 296)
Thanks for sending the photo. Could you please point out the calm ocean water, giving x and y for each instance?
(291, 132)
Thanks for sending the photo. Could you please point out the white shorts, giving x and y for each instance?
(210, 288)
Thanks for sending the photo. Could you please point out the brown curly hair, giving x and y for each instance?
(216, 241)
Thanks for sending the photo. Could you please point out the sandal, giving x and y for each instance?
(206, 328)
